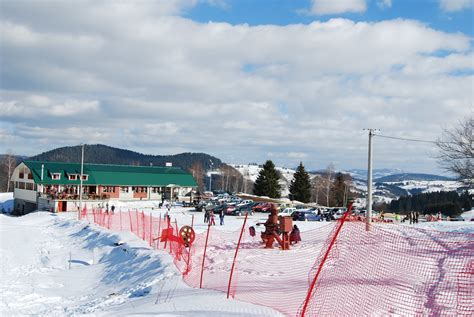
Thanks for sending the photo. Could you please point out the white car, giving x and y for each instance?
(287, 212)
(244, 202)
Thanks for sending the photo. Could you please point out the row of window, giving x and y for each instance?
(108, 189)
(27, 186)
(141, 189)
(71, 177)
(28, 175)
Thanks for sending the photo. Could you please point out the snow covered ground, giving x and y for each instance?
(52, 264)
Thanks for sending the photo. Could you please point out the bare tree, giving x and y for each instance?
(198, 173)
(325, 183)
(9, 163)
(456, 150)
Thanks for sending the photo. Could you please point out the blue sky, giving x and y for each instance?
(284, 12)
(286, 80)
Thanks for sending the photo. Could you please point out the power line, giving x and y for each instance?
(407, 139)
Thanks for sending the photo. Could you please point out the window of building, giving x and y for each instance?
(30, 176)
(85, 177)
(138, 189)
(56, 176)
(72, 177)
(29, 186)
(109, 189)
(156, 190)
(124, 189)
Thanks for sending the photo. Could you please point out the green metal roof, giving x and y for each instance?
(107, 174)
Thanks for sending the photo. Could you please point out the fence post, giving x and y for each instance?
(235, 256)
(120, 211)
(158, 236)
(143, 226)
(204, 255)
(130, 218)
(168, 225)
(333, 240)
(138, 227)
(192, 221)
(151, 229)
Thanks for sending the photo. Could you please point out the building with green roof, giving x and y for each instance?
(55, 186)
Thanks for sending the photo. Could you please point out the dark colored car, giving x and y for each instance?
(239, 211)
(305, 215)
(262, 207)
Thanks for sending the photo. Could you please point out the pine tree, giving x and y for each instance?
(300, 187)
(267, 181)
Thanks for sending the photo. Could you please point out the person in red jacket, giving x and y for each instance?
(213, 221)
(295, 235)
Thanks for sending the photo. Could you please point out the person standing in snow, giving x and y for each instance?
(212, 217)
(221, 216)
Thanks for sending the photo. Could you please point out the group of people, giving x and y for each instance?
(209, 217)
(112, 208)
(412, 217)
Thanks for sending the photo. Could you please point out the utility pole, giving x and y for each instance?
(368, 215)
(80, 182)
(210, 177)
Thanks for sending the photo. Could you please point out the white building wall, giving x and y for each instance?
(23, 194)
(126, 196)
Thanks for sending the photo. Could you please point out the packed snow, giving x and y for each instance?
(53, 264)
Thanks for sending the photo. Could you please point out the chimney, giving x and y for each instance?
(169, 164)
(42, 171)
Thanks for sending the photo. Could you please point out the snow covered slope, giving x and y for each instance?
(53, 266)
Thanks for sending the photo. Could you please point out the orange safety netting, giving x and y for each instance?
(339, 269)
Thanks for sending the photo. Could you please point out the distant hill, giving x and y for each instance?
(411, 177)
(376, 173)
(103, 154)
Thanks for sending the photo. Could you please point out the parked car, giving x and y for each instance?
(305, 215)
(244, 202)
(456, 218)
(262, 207)
(287, 211)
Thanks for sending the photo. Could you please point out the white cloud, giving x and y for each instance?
(301, 92)
(323, 7)
(455, 5)
(34, 106)
(384, 4)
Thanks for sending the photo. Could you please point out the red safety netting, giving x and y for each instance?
(395, 270)
(339, 269)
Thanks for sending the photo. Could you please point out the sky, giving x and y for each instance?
(243, 80)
